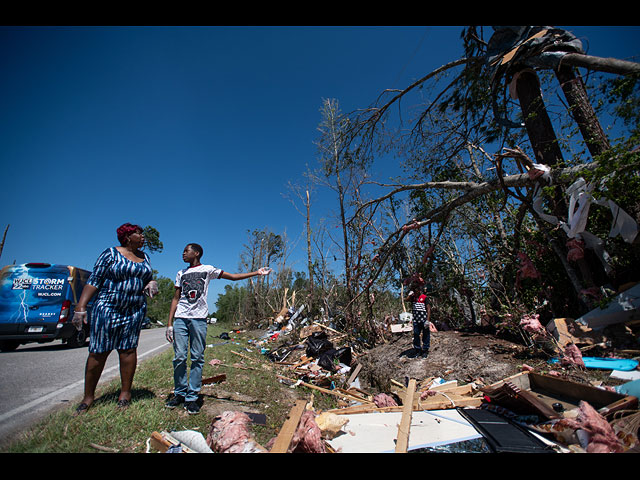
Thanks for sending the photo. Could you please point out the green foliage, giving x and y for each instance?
(152, 239)
(229, 305)
(158, 307)
(624, 94)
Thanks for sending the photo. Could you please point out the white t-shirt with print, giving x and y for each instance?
(194, 282)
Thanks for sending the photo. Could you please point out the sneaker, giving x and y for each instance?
(192, 408)
(174, 401)
(424, 354)
(414, 353)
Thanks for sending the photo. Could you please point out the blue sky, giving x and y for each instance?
(196, 131)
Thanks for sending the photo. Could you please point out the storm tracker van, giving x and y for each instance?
(37, 302)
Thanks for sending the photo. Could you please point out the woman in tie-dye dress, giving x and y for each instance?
(121, 277)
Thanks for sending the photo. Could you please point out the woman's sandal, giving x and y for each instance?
(82, 408)
(123, 404)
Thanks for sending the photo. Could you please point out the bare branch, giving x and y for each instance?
(472, 190)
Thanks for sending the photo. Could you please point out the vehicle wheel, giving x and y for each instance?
(9, 345)
(78, 339)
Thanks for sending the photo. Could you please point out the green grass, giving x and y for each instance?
(104, 425)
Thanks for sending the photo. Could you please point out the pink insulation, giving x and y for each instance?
(229, 433)
(571, 356)
(531, 324)
(384, 400)
(308, 436)
(601, 436)
(576, 250)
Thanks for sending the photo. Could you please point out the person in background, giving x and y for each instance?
(120, 279)
(187, 326)
(421, 310)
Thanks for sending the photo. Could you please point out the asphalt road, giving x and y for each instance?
(38, 378)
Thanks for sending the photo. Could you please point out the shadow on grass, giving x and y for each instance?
(137, 394)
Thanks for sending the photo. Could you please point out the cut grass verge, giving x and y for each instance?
(251, 385)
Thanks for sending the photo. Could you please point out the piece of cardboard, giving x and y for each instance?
(567, 330)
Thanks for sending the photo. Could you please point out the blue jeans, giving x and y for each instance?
(421, 329)
(190, 335)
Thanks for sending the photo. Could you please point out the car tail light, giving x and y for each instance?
(64, 312)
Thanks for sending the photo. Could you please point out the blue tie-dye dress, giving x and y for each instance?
(119, 307)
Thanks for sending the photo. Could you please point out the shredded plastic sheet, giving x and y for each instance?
(580, 200)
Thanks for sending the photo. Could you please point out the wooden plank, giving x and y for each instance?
(396, 383)
(370, 408)
(281, 444)
(443, 403)
(158, 442)
(335, 393)
(354, 374)
(164, 441)
(402, 441)
(215, 379)
(330, 329)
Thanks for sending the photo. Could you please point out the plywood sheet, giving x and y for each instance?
(377, 432)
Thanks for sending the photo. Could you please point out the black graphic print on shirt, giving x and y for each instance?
(193, 284)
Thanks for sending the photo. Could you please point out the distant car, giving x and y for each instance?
(37, 302)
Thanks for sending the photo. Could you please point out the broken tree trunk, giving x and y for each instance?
(545, 143)
(582, 111)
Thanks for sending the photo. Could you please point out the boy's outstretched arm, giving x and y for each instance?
(242, 276)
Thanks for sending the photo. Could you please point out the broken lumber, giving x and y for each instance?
(215, 379)
(402, 441)
(163, 442)
(354, 374)
(330, 329)
(344, 396)
(281, 444)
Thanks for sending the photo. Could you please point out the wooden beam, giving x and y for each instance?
(344, 396)
(281, 444)
(329, 328)
(402, 442)
(215, 379)
(164, 441)
(158, 442)
(354, 374)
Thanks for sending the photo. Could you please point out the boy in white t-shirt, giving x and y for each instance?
(187, 327)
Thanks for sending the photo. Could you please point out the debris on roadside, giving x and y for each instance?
(185, 441)
(550, 411)
(230, 433)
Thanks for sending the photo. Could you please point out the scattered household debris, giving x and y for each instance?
(624, 307)
(185, 441)
(528, 412)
